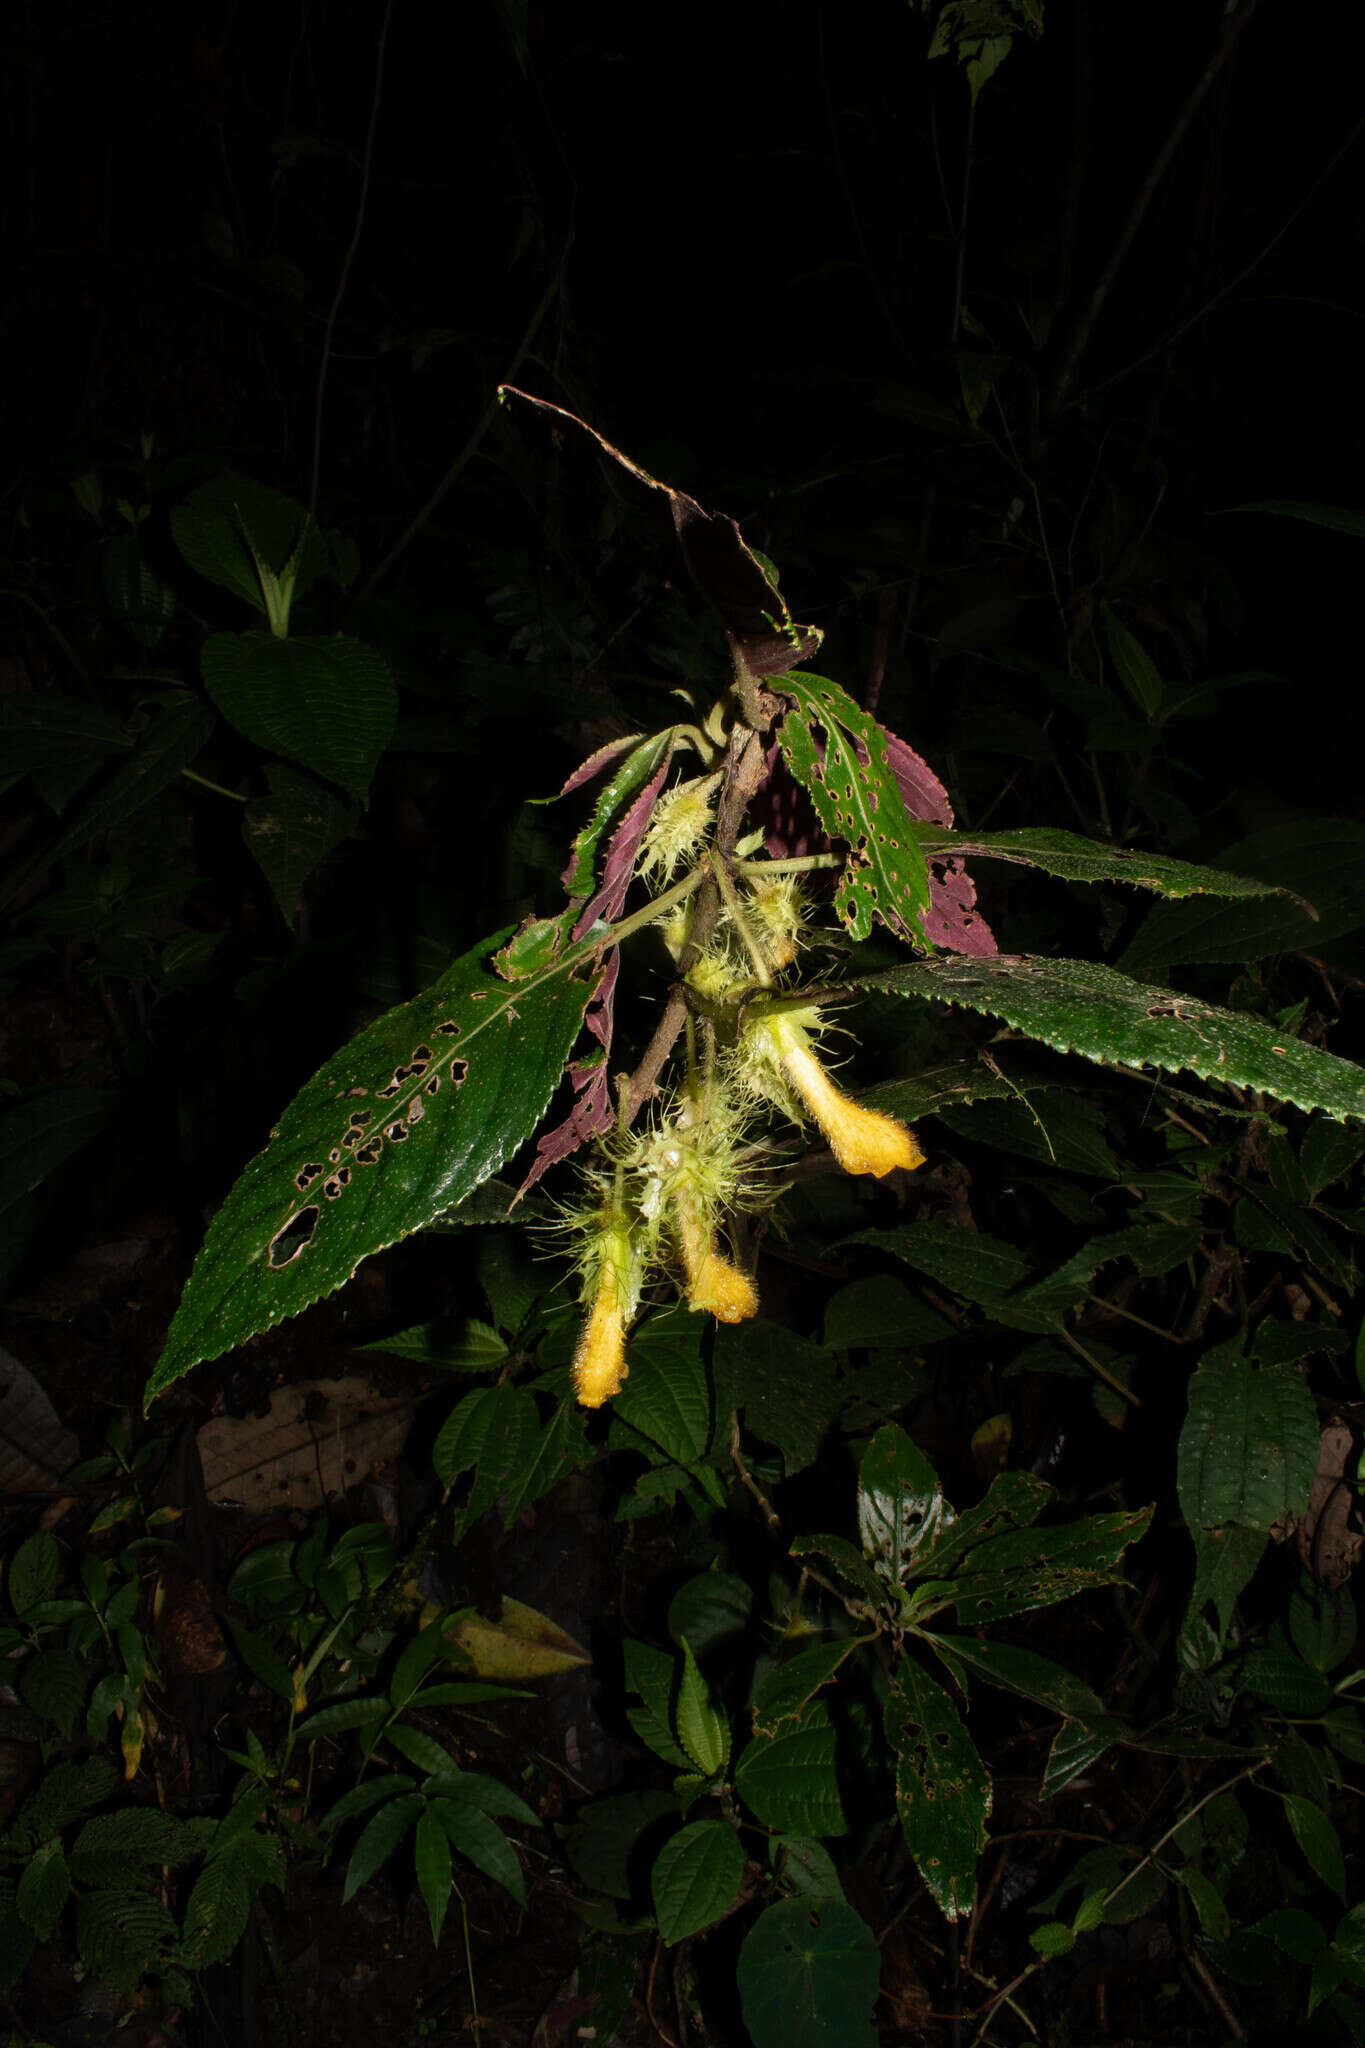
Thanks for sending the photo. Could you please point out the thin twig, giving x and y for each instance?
(751, 1485)
(334, 309)
(429, 506)
(1083, 326)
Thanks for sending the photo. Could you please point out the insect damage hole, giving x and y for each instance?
(286, 1244)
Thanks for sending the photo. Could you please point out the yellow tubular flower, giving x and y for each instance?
(599, 1363)
(613, 1268)
(862, 1140)
(715, 1286)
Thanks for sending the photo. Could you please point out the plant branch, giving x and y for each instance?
(428, 508)
(1078, 340)
(334, 309)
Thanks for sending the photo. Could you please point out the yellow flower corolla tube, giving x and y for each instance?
(599, 1363)
(613, 1269)
(715, 1286)
(862, 1140)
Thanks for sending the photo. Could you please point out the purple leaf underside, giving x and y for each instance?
(791, 828)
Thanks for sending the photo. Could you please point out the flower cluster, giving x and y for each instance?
(670, 1187)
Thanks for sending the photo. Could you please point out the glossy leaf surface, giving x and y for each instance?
(943, 1790)
(401, 1124)
(1077, 1006)
(856, 797)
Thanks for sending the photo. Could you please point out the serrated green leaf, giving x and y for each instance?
(786, 1692)
(901, 1507)
(667, 1398)
(973, 1264)
(53, 1685)
(35, 1572)
(1014, 1500)
(1075, 1747)
(1318, 1840)
(695, 1878)
(943, 1790)
(292, 830)
(342, 1717)
(122, 1934)
(1136, 670)
(489, 1795)
(217, 1911)
(431, 1851)
(1320, 865)
(262, 1660)
(225, 519)
(491, 1432)
(328, 703)
(881, 1311)
(1249, 1447)
(784, 1384)
(791, 1781)
(1053, 1938)
(379, 1838)
(1294, 1932)
(1208, 1903)
(653, 1675)
(418, 1110)
(804, 1866)
(703, 1733)
(362, 1797)
(1074, 859)
(141, 1834)
(1025, 1672)
(1056, 1129)
(857, 799)
(1283, 1680)
(169, 744)
(43, 1889)
(1079, 1006)
(480, 1839)
(625, 779)
(808, 1976)
(560, 1447)
(1323, 1624)
(455, 1344)
(1030, 1568)
(1224, 1561)
(848, 1562)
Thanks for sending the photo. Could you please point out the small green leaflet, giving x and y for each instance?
(857, 799)
(1076, 1006)
(1075, 859)
(402, 1123)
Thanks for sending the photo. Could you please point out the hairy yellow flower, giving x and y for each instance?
(715, 1285)
(780, 1062)
(777, 909)
(682, 820)
(599, 1363)
(612, 1263)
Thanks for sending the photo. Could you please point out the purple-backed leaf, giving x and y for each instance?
(724, 571)
(622, 850)
(591, 1112)
(642, 761)
(595, 763)
(791, 828)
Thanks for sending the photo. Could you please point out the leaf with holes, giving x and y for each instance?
(943, 1790)
(1079, 1006)
(808, 1975)
(901, 1507)
(857, 798)
(401, 1124)
(1028, 1568)
(327, 702)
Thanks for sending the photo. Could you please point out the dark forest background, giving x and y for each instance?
(971, 366)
